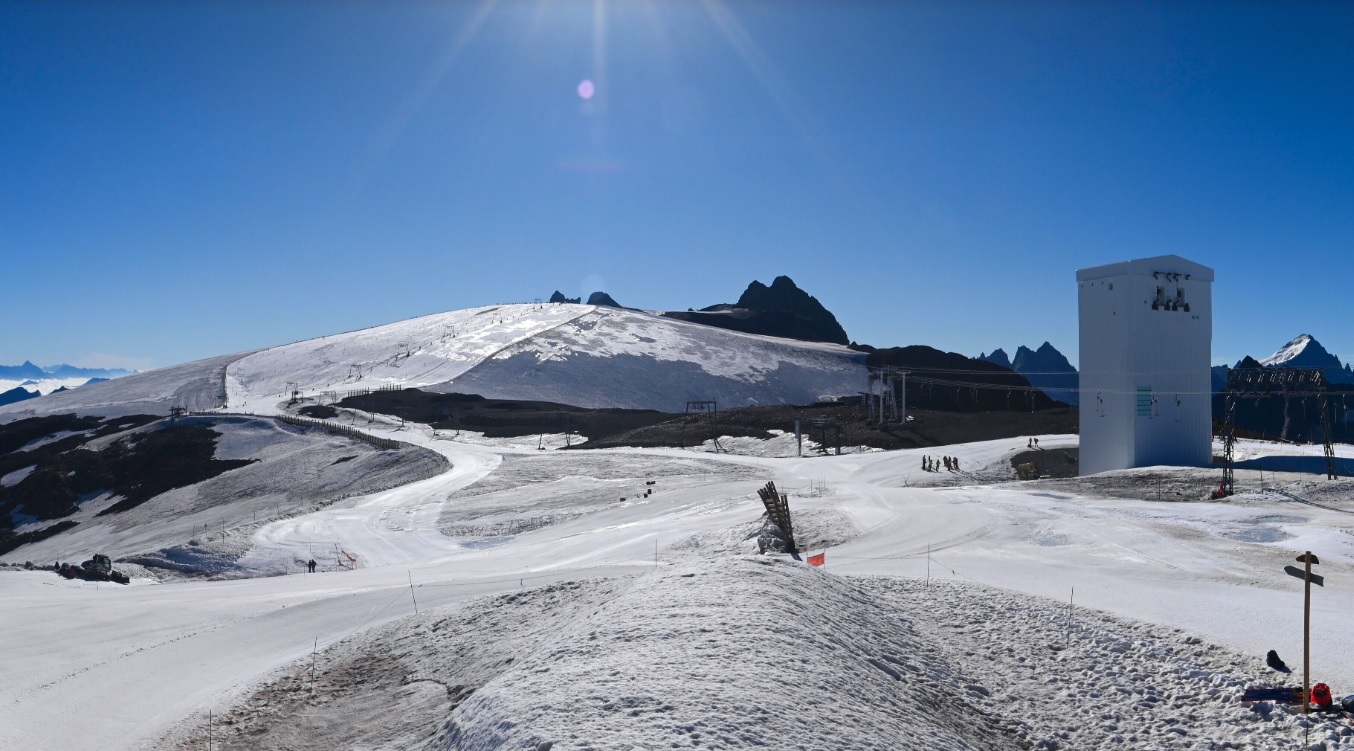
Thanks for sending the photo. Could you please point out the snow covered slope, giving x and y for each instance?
(706, 653)
(1288, 352)
(198, 385)
(583, 355)
(575, 354)
(625, 358)
(204, 527)
(1306, 352)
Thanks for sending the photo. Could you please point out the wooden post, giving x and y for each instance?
(411, 591)
(1307, 632)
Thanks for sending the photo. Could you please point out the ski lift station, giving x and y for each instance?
(1146, 347)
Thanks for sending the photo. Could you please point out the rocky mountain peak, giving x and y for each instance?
(998, 357)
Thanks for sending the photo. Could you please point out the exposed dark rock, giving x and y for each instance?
(500, 418)
(602, 298)
(646, 428)
(17, 394)
(953, 382)
(782, 309)
(998, 357)
(135, 468)
(1045, 368)
(9, 540)
(1048, 369)
(559, 297)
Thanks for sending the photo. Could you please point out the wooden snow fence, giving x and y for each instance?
(778, 510)
(343, 430)
(385, 444)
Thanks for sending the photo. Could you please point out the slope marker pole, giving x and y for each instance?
(1307, 633)
(411, 591)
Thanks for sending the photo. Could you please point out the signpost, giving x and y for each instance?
(1308, 578)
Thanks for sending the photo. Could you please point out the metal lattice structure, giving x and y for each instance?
(885, 388)
(820, 428)
(1285, 383)
(702, 408)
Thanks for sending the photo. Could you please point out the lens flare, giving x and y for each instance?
(586, 89)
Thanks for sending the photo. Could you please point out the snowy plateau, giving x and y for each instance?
(482, 593)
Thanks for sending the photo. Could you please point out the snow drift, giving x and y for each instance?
(737, 652)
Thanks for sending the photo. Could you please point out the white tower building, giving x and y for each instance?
(1146, 348)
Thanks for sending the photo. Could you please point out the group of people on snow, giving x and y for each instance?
(1032, 443)
(951, 464)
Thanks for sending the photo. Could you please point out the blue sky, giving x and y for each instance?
(179, 180)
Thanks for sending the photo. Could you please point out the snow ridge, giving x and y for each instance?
(1288, 351)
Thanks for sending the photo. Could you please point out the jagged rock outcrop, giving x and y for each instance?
(781, 309)
(998, 357)
(559, 297)
(1045, 367)
(602, 298)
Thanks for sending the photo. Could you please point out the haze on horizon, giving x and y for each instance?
(186, 180)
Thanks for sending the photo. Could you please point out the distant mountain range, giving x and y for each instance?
(30, 372)
(1045, 368)
(1049, 370)
(596, 298)
(1303, 352)
(1306, 352)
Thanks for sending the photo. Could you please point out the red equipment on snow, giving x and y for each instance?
(1321, 696)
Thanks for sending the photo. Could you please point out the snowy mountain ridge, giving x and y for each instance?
(584, 355)
(1304, 351)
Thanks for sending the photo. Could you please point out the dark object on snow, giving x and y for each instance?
(1272, 660)
(1281, 694)
(1347, 703)
(97, 569)
(311, 565)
